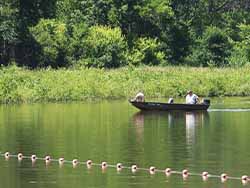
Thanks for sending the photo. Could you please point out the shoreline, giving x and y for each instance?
(20, 85)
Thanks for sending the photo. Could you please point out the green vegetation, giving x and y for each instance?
(71, 48)
(51, 35)
(213, 49)
(105, 47)
(113, 34)
(22, 85)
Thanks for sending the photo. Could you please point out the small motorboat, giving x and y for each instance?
(159, 106)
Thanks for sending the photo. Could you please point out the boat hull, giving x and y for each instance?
(157, 106)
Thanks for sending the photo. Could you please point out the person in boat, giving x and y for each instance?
(191, 98)
(139, 97)
(171, 100)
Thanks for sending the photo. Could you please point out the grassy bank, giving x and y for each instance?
(22, 85)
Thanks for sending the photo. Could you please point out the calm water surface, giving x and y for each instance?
(216, 141)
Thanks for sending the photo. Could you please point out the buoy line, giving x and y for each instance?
(134, 168)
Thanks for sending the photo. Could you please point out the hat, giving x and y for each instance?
(189, 91)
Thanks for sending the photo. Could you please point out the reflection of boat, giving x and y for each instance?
(158, 106)
(191, 121)
(138, 119)
(172, 117)
(194, 120)
(175, 128)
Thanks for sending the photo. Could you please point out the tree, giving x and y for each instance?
(29, 14)
(213, 49)
(91, 12)
(76, 42)
(147, 51)
(179, 26)
(51, 35)
(8, 32)
(105, 47)
(241, 50)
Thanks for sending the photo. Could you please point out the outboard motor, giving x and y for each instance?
(206, 101)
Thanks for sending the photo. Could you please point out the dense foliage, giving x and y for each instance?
(110, 34)
(22, 85)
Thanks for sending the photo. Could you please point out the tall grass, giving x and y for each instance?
(22, 85)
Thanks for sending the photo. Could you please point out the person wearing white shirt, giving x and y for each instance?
(139, 97)
(191, 98)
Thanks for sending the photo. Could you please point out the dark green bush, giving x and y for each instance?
(52, 37)
(146, 51)
(105, 47)
(213, 49)
(241, 50)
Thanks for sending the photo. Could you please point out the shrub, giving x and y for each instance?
(51, 35)
(77, 36)
(105, 47)
(213, 49)
(241, 50)
(146, 51)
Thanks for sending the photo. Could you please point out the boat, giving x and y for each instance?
(159, 106)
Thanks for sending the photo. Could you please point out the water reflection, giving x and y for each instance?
(173, 117)
(138, 120)
(193, 120)
(180, 121)
(190, 128)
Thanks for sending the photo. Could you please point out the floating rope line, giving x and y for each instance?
(134, 168)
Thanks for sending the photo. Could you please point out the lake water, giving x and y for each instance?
(216, 141)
